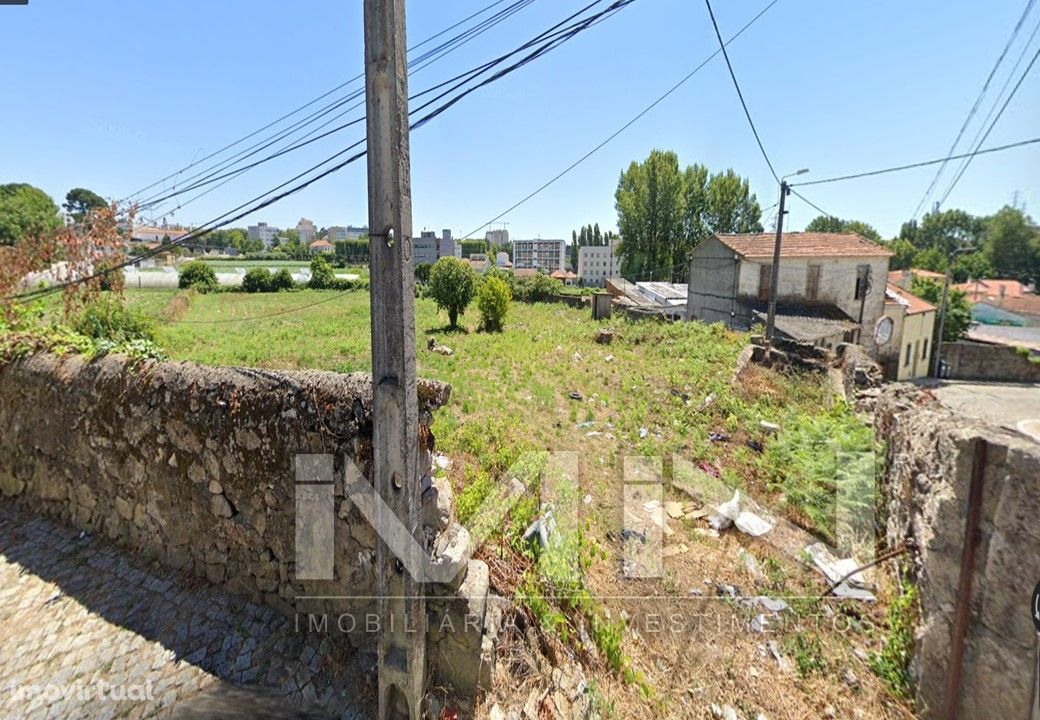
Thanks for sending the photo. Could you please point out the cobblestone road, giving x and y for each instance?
(86, 631)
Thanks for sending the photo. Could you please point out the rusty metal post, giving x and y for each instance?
(962, 614)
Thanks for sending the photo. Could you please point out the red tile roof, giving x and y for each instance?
(804, 244)
(913, 304)
(321, 244)
(1028, 304)
(896, 276)
(991, 289)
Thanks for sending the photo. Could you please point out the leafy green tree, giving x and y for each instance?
(493, 303)
(26, 212)
(197, 275)
(422, 273)
(949, 231)
(257, 280)
(323, 276)
(823, 223)
(973, 266)
(452, 284)
(904, 254)
(282, 280)
(80, 201)
(958, 309)
(931, 258)
(732, 207)
(1011, 245)
(649, 201)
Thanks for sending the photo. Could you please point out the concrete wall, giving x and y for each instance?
(929, 467)
(979, 361)
(712, 284)
(196, 467)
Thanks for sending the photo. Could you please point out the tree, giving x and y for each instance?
(904, 254)
(958, 309)
(1010, 243)
(197, 275)
(323, 276)
(422, 273)
(451, 286)
(732, 207)
(949, 231)
(493, 303)
(649, 202)
(257, 280)
(973, 266)
(26, 212)
(825, 223)
(79, 202)
(282, 280)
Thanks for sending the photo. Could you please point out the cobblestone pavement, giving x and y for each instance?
(87, 631)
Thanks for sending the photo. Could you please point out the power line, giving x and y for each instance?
(975, 105)
(304, 106)
(911, 166)
(810, 203)
(416, 65)
(620, 130)
(736, 84)
(996, 119)
(224, 220)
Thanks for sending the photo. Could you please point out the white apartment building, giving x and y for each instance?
(596, 263)
(263, 232)
(497, 237)
(308, 233)
(350, 232)
(544, 255)
(428, 248)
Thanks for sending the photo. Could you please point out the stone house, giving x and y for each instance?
(831, 286)
(905, 335)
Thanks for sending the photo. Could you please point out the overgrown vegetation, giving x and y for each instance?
(493, 303)
(892, 663)
(198, 276)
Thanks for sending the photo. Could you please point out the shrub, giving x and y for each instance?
(106, 318)
(536, 289)
(422, 273)
(257, 280)
(451, 286)
(198, 275)
(323, 277)
(493, 302)
(282, 280)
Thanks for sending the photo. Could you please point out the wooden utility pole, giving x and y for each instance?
(774, 275)
(395, 433)
(937, 344)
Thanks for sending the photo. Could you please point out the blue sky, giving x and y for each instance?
(114, 95)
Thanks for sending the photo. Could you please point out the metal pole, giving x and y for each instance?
(937, 349)
(395, 431)
(774, 277)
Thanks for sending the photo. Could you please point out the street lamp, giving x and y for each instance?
(774, 275)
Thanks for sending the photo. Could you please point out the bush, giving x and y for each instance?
(493, 302)
(451, 286)
(197, 275)
(257, 280)
(422, 273)
(106, 318)
(323, 277)
(536, 289)
(282, 280)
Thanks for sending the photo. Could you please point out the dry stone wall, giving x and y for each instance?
(929, 469)
(195, 467)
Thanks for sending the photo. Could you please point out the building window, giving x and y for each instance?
(924, 349)
(812, 282)
(862, 281)
(909, 354)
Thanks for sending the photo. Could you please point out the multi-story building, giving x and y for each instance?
(596, 263)
(350, 232)
(544, 255)
(306, 230)
(497, 237)
(447, 247)
(425, 248)
(263, 232)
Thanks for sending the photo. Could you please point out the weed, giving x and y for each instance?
(892, 664)
(807, 652)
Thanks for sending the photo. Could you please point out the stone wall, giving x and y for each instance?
(929, 467)
(196, 467)
(979, 361)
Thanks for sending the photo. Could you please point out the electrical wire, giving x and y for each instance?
(911, 166)
(740, 94)
(975, 105)
(620, 130)
(302, 107)
(996, 119)
(249, 207)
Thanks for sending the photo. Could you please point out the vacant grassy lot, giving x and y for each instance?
(656, 390)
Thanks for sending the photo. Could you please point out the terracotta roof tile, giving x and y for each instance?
(804, 244)
(912, 303)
